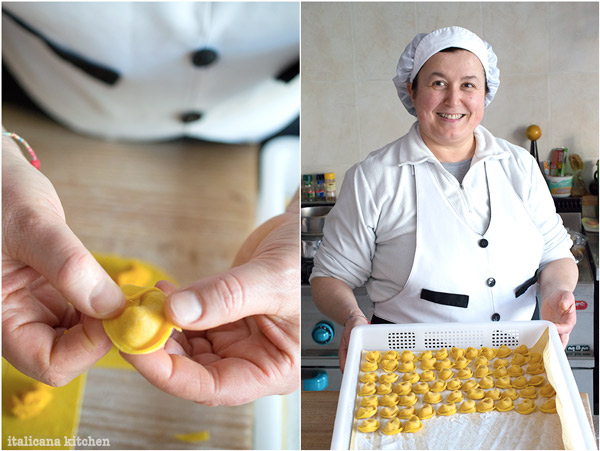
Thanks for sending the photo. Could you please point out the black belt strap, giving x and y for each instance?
(521, 289)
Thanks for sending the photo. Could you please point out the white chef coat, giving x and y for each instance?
(219, 71)
(369, 236)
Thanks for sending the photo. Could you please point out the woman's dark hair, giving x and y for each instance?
(449, 50)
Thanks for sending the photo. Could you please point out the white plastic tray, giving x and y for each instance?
(435, 336)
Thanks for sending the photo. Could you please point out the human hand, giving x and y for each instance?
(50, 282)
(559, 308)
(241, 328)
(351, 323)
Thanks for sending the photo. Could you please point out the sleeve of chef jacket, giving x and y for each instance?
(349, 235)
(537, 197)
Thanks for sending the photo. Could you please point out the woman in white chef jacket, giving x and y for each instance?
(447, 223)
(224, 72)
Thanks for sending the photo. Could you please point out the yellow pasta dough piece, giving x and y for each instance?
(443, 363)
(488, 353)
(369, 425)
(470, 385)
(373, 356)
(403, 388)
(465, 373)
(384, 389)
(520, 382)
(408, 400)
(478, 393)
(428, 364)
(369, 401)
(485, 405)
(501, 363)
(366, 412)
(392, 427)
(368, 377)
(547, 391)
(447, 409)
(426, 412)
(503, 382)
(389, 412)
(515, 371)
(432, 397)
(369, 366)
(549, 406)
(407, 356)
(500, 372)
(526, 407)
(142, 326)
(455, 396)
(427, 376)
(30, 403)
(406, 413)
(535, 368)
(389, 365)
(494, 394)
(523, 349)
(519, 360)
(461, 363)
(481, 360)
(426, 355)
(536, 380)
(454, 384)
(390, 400)
(413, 424)
(368, 389)
(510, 393)
(420, 388)
(455, 353)
(441, 354)
(482, 371)
(467, 407)
(505, 404)
(407, 367)
(503, 351)
(391, 355)
(536, 357)
(411, 377)
(438, 386)
(529, 392)
(445, 374)
(486, 382)
(388, 378)
(472, 353)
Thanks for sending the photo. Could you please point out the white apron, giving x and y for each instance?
(459, 275)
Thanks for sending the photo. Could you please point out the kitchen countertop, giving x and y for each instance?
(185, 206)
(318, 417)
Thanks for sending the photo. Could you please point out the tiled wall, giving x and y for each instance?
(547, 55)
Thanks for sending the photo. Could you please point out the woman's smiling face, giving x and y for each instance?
(449, 100)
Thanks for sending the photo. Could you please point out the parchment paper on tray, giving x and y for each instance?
(491, 430)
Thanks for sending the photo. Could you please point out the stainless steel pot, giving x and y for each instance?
(312, 219)
(310, 244)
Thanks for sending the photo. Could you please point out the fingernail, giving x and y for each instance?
(185, 307)
(106, 297)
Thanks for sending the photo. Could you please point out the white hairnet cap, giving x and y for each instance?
(425, 45)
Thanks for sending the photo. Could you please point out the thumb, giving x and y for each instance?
(63, 260)
(250, 289)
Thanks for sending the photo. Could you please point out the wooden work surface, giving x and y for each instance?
(185, 206)
(318, 416)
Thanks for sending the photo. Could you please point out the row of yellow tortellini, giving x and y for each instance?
(378, 390)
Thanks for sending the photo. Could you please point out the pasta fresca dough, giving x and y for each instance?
(142, 327)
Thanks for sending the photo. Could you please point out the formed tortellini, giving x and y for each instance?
(445, 374)
(505, 404)
(535, 368)
(455, 353)
(407, 356)
(366, 412)
(368, 389)
(526, 407)
(520, 382)
(467, 407)
(549, 406)
(454, 384)
(536, 357)
(389, 365)
(392, 355)
(503, 351)
(388, 378)
(547, 391)
(443, 363)
(485, 405)
(413, 424)
(369, 425)
(390, 399)
(369, 401)
(519, 360)
(373, 356)
(369, 366)
(523, 349)
(488, 353)
(510, 393)
(503, 382)
(428, 364)
(389, 412)
(403, 388)
(455, 396)
(465, 373)
(478, 393)
(432, 398)
(427, 376)
(406, 413)
(441, 354)
(411, 377)
(481, 360)
(529, 392)
(408, 400)
(384, 389)
(392, 427)
(368, 377)
(515, 371)
(426, 355)
(420, 388)
(447, 409)
(461, 363)
(472, 353)
(536, 380)
(407, 367)
(500, 363)
(482, 371)
(426, 412)
(438, 386)
(500, 372)
(470, 385)
(494, 394)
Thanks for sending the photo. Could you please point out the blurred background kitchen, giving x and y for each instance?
(180, 193)
(548, 60)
